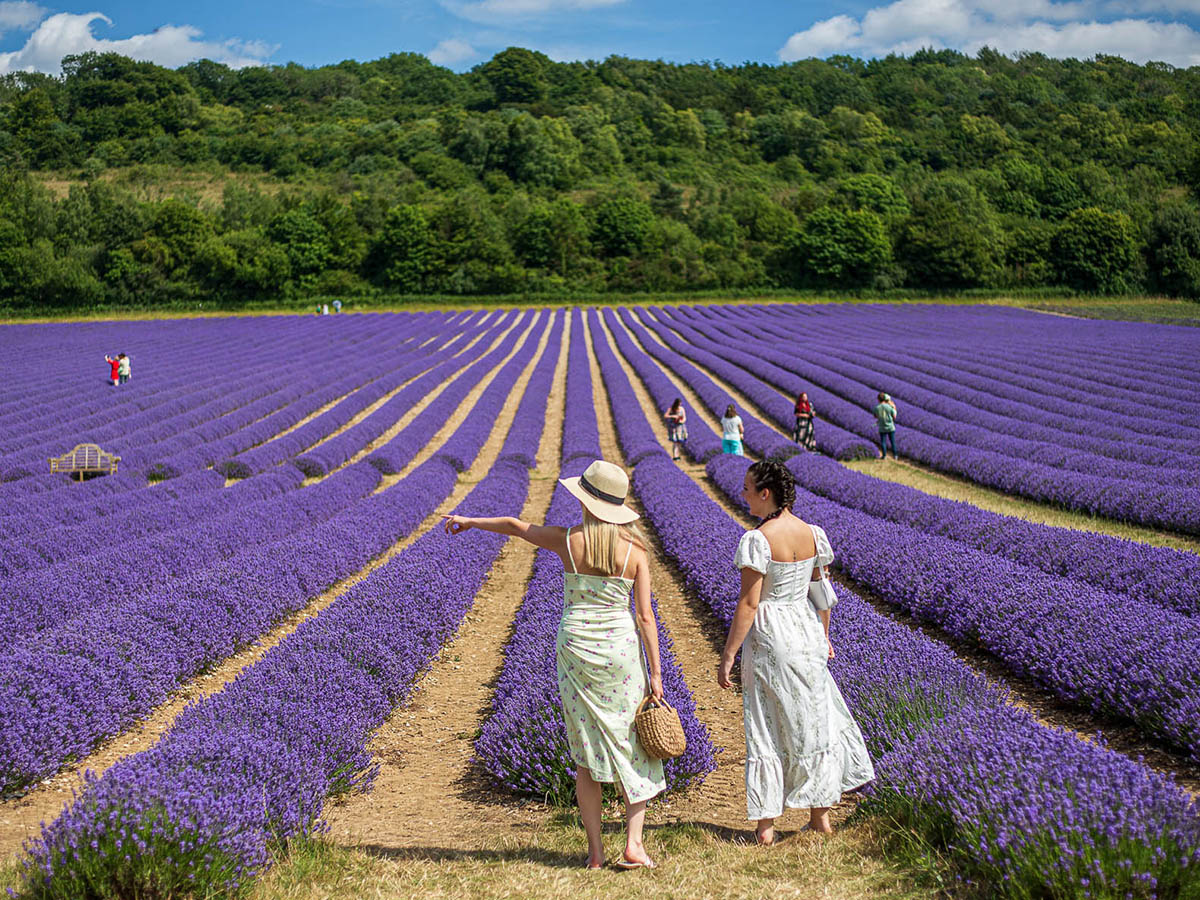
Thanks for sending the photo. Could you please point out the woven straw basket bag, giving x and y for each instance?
(659, 729)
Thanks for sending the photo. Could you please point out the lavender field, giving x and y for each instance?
(280, 485)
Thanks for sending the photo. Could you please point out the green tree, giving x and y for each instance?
(1174, 250)
(842, 248)
(952, 239)
(622, 225)
(517, 75)
(1094, 250)
(876, 193)
(303, 240)
(404, 248)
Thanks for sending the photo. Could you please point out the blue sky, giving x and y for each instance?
(36, 34)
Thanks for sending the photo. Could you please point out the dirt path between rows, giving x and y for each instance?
(21, 817)
(1026, 693)
(428, 794)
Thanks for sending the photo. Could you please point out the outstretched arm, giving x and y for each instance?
(545, 536)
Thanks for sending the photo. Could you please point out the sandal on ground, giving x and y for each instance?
(626, 863)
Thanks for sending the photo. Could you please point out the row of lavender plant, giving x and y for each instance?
(1021, 808)
(1166, 577)
(523, 742)
(254, 764)
(525, 435)
(309, 435)
(702, 444)
(974, 352)
(1110, 653)
(48, 718)
(338, 450)
(202, 401)
(759, 439)
(1174, 508)
(972, 424)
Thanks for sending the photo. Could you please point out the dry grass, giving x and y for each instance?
(154, 183)
(694, 862)
(955, 489)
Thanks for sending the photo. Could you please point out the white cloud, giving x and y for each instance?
(19, 15)
(503, 11)
(451, 51)
(1066, 29)
(170, 45)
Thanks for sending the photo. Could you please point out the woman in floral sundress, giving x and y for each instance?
(601, 677)
(803, 748)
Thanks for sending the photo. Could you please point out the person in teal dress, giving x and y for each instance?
(601, 675)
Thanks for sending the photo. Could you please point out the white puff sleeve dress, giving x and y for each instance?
(803, 748)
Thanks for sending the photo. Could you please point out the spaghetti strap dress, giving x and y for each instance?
(803, 747)
(601, 681)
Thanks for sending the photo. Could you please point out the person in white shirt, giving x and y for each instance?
(732, 432)
(123, 369)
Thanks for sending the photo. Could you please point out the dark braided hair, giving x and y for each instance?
(774, 476)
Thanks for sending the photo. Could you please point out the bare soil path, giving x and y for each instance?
(428, 794)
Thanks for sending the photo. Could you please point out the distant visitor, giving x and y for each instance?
(123, 369)
(677, 432)
(114, 363)
(732, 432)
(885, 415)
(802, 433)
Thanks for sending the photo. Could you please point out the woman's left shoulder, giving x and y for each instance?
(824, 548)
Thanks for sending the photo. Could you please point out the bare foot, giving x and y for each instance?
(766, 836)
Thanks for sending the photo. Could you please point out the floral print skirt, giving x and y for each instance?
(601, 682)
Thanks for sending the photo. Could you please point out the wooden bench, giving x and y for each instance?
(85, 459)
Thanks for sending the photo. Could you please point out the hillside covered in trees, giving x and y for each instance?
(936, 172)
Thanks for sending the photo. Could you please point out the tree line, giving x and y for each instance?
(937, 171)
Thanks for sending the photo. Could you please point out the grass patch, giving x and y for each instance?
(10, 876)
(1134, 309)
(695, 860)
(1160, 310)
(985, 498)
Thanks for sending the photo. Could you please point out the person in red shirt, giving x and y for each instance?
(802, 434)
(116, 365)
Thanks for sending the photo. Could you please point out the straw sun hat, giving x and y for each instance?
(601, 489)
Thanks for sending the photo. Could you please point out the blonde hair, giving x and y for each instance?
(602, 540)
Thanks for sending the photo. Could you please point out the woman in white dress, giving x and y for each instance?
(803, 748)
